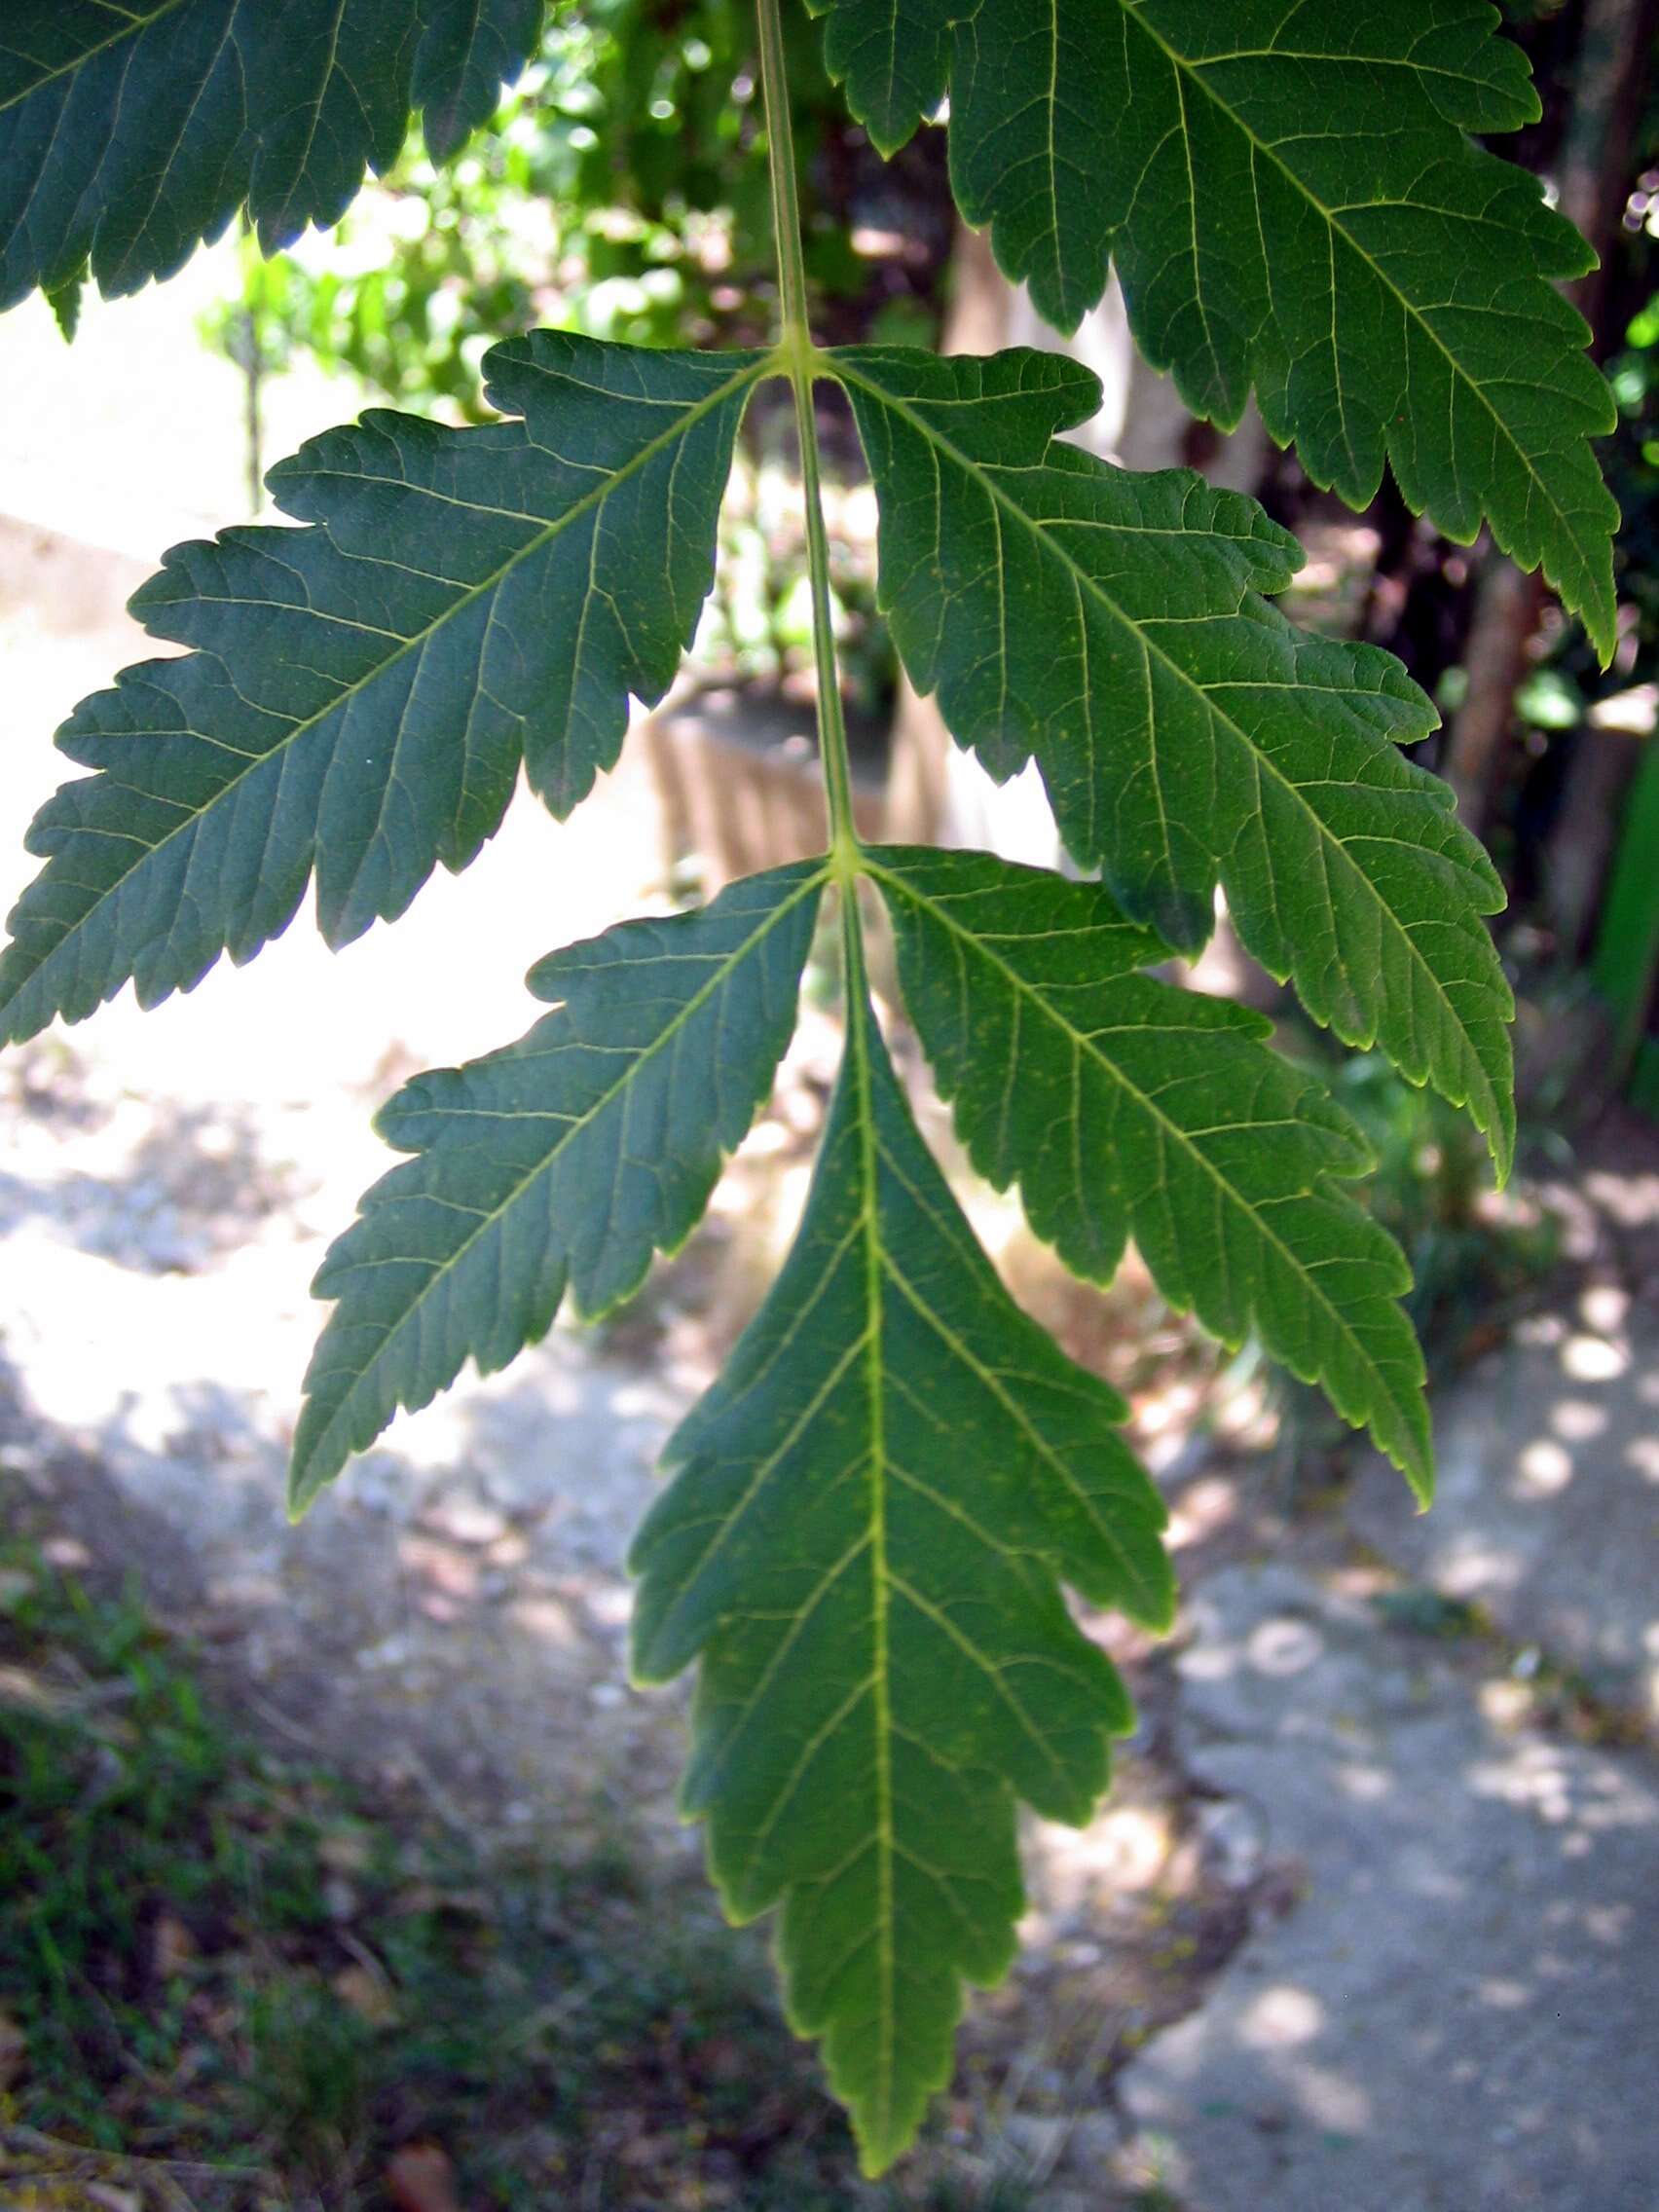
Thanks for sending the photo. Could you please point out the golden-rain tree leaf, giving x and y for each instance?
(561, 1164)
(872, 1516)
(1123, 1106)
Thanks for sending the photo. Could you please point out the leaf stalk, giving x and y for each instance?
(798, 359)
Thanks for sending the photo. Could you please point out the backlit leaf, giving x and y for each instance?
(873, 1513)
(1293, 205)
(894, 57)
(1124, 1107)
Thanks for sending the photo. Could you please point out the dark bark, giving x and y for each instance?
(1608, 77)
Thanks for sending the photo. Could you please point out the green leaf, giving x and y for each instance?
(1109, 626)
(469, 49)
(1125, 1107)
(557, 1165)
(872, 1510)
(364, 689)
(1292, 203)
(131, 132)
(894, 57)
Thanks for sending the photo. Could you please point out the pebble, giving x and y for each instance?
(466, 1521)
(1233, 1835)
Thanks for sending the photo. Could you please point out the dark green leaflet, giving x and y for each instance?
(1293, 205)
(1109, 626)
(365, 690)
(559, 1165)
(1123, 1106)
(131, 132)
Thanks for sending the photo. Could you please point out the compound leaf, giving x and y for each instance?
(1292, 203)
(1109, 625)
(873, 1509)
(559, 1165)
(1123, 1106)
(364, 689)
(131, 133)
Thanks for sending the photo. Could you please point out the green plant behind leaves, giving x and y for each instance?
(876, 1511)
(620, 190)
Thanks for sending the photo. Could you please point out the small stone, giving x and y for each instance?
(1234, 1841)
(1040, 2138)
(466, 1521)
(173, 1948)
(1079, 1954)
(339, 1899)
(107, 2197)
(345, 1850)
(1096, 2138)
(14, 2050)
(14, 1586)
(368, 1994)
(421, 2179)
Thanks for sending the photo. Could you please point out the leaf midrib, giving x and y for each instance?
(843, 369)
(324, 81)
(993, 1381)
(870, 1224)
(1148, 1106)
(751, 372)
(487, 1221)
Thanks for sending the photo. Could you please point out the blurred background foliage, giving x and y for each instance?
(622, 191)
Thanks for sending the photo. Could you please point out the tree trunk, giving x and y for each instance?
(1594, 158)
(1595, 176)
